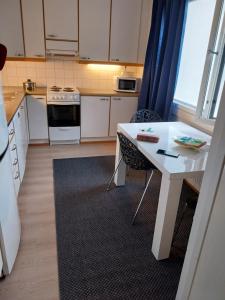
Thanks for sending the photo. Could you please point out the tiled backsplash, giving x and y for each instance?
(64, 73)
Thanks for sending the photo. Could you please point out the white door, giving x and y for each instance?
(122, 109)
(37, 117)
(10, 227)
(125, 25)
(146, 16)
(61, 19)
(94, 25)
(33, 26)
(11, 34)
(94, 116)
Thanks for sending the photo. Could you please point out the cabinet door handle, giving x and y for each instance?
(19, 54)
(17, 176)
(115, 59)
(39, 55)
(18, 115)
(104, 99)
(116, 99)
(15, 162)
(14, 147)
(84, 57)
(12, 131)
(39, 98)
(52, 35)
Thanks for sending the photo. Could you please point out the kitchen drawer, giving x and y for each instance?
(11, 131)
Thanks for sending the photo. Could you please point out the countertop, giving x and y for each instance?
(102, 92)
(13, 96)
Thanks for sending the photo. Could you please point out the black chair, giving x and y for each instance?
(190, 205)
(135, 160)
(145, 115)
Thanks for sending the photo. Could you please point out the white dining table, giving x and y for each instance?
(189, 165)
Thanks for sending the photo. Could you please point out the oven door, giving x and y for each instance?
(63, 115)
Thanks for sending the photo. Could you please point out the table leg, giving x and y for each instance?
(120, 175)
(166, 216)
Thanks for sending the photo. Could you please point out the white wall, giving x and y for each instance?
(199, 21)
(63, 72)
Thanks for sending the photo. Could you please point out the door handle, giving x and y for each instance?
(116, 99)
(15, 162)
(14, 147)
(17, 175)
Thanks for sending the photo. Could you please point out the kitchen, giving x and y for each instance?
(73, 72)
(59, 83)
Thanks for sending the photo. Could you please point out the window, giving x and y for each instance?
(214, 74)
(201, 72)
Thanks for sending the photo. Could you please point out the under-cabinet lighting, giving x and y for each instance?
(104, 67)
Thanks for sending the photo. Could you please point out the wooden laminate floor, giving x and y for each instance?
(35, 275)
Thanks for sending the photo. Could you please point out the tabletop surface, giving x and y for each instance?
(190, 161)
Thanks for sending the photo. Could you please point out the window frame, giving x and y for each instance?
(201, 112)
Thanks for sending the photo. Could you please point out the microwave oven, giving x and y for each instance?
(127, 84)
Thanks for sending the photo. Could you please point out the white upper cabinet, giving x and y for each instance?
(125, 26)
(33, 24)
(61, 19)
(11, 34)
(146, 15)
(94, 27)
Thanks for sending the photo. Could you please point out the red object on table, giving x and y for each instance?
(147, 138)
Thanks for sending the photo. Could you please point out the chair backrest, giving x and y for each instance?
(132, 156)
(145, 115)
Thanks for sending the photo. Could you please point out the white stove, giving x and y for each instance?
(61, 95)
(63, 106)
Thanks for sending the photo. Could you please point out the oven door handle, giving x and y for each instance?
(63, 128)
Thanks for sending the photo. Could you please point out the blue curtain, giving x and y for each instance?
(162, 56)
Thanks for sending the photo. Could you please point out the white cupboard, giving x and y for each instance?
(94, 28)
(61, 19)
(125, 25)
(21, 133)
(11, 34)
(33, 25)
(122, 109)
(146, 15)
(37, 118)
(94, 116)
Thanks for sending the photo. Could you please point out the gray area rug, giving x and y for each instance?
(100, 254)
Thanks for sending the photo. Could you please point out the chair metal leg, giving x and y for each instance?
(142, 197)
(110, 181)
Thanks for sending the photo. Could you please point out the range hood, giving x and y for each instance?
(64, 48)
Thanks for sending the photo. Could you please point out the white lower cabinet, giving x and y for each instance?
(100, 115)
(94, 116)
(122, 109)
(37, 118)
(21, 134)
